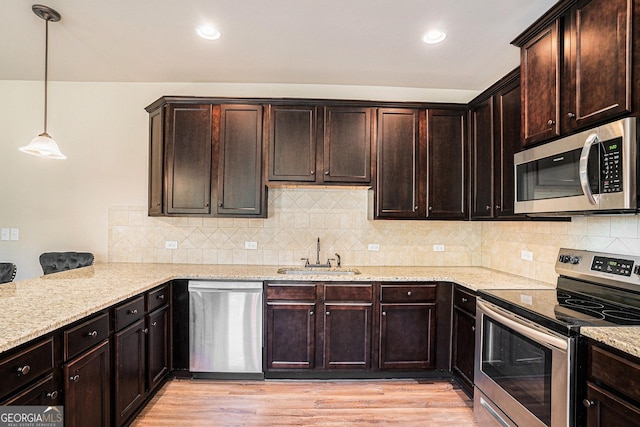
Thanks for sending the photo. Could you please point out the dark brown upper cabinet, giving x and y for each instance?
(446, 164)
(315, 144)
(240, 189)
(188, 159)
(203, 154)
(579, 63)
(398, 193)
(495, 138)
(292, 143)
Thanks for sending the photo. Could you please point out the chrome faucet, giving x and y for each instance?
(307, 264)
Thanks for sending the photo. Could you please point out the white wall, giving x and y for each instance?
(102, 128)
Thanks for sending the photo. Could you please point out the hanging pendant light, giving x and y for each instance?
(43, 145)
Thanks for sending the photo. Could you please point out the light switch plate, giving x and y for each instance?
(250, 245)
(15, 234)
(438, 248)
(526, 255)
(4, 235)
(374, 247)
(171, 244)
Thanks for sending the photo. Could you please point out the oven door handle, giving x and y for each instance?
(583, 172)
(528, 331)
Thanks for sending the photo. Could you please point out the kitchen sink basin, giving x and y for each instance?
(319, 271)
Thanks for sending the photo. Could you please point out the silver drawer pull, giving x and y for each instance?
(92, 334)
(311, 313)
(145, 331)
(384, 313)
(409, 293)
(154, 323)
(328, 313)
(52, 395)
(134, 311)
(24, 370)
(160, 296)
(588, 403)
(464, 299)
(74, 378)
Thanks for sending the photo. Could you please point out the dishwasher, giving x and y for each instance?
(225, 329)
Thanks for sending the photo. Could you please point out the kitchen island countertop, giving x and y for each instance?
(34, 307)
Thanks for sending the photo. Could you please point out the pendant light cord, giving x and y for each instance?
(46, 69)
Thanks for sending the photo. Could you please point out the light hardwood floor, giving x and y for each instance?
(183, 402)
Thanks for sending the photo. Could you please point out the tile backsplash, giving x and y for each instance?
(339, 217)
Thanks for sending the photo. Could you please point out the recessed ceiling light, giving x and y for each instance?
(434, 36)
(208, 31)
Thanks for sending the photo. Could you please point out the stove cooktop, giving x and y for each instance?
(593, 289)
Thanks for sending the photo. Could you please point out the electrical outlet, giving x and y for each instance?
(251, 245)
(374, 247)
(526, 255)
(438, 248)
(171, 244)
(15, 234)
(4, 235)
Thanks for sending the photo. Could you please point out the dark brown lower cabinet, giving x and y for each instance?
(290, 335)
(158, 363)
(347, 336)
(613, 388)
(463, 337)
(407, 334)
(129, 374)
(47, 392)
(87, 388)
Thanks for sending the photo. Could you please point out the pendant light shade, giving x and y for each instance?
(43, 145)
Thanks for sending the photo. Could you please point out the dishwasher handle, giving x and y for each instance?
(214, 286)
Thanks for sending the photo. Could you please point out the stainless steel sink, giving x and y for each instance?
(319, 271)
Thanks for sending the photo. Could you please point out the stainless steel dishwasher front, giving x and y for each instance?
(225, 329)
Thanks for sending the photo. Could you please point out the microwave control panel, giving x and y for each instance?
(611, 166)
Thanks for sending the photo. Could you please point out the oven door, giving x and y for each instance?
(521, 369)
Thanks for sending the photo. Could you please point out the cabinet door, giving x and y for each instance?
(407, 336)
(601, 62)
(347, 336)
(240, 189)
(605, 409)
(129, 363)
(290, 335)
(157, 346)
(188, 159)
(397, 185)
(347, 145)
(292, 143)
(446, 148)
(508, 142)
(463, 347)
(540, 62)
(87, 388)
(156, 163)
(47, 392)
(482, 167)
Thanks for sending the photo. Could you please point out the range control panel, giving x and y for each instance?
(598, 266)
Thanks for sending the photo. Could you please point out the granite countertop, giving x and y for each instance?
(624, 338)
(31, 308)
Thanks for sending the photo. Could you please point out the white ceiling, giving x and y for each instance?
(332, 42)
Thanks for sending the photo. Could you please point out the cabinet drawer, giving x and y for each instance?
(85, 335)
(291, 292)
(20, 369)
(44, 392)
(619, 373)
(129, 312)
(464, 300)
(348, 292)
(158, 297)
(407, 293)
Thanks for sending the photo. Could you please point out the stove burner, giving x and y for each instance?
(569, 313)
(583, 303)
(622, 315)
(563, 295)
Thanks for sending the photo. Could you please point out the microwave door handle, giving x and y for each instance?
(583, 172)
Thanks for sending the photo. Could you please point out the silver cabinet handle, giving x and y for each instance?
(24, 370)
(311, 313)
(145, 331)
(74, 378)
(328, 313)
(154, 323)
(161, 296)
(312, 172)
(409, 293)
(551, 122)
(326, 172)
(92, 334)
(488, 207)
(464, 299)
(134, 311)
(571, 115)
(588, 403)
(52, 395)
(384, 313)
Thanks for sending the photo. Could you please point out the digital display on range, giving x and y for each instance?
(621, 267)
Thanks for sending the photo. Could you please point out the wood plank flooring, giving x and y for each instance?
(200, 402)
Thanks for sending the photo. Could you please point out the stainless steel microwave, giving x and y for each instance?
(594, 171)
